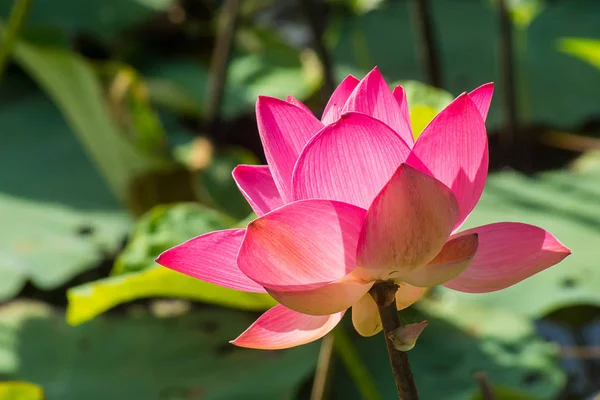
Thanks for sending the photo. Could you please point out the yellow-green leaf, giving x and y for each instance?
(585, 49)
(424, 103)
(91, 299)
(16, 390)
(420, 116)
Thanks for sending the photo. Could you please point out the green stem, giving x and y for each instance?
(219, 64)
(323, 372)
(354, 365)
(487, 392)
(11, 33)
(523, 75)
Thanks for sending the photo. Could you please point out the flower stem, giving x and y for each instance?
(350, 358)
(427, 44)
(384, 294)
(487, 392)
(321, 381)
(219, 64)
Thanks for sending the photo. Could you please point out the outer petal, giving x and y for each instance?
(373, 97)
(453, 148)
(365, 316)
(281, 328)
(508, 253)
(302, 253)
(284, 130)
(258, 187)
(482, 97)
(333, 109)
(211, 258)
(407, 225)
(350, 160)
(455, 256)
(292, 100)
(400, 96)
(326, 299)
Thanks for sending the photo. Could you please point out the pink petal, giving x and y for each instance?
(258, 187)
(400, 96)
(350, 160)
(292, 100)
(281, 328)
(302, 253)
(333, 109)
(365, 316)
(284, 130)
(407, 225)
(508, 252)
(455, 256)
(373, 97)
(482, 97)
(211, 258)
(326, 299)
(453, 148)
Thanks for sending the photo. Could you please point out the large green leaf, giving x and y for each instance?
(70, 82)
(59, 217)
(140, 277)
(141, 357)
(461, 340)
(564, 203)
(104, 19)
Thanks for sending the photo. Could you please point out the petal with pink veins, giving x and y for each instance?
(258, 187)
(284, 131)
(482, 97)
(333, 109)
(406, 226)
(373, 97)
(212, 258)
(453, 148)
(350, 160)
(282, 328)
(292, 100)
(303, 254)
(508, 253)
(455, 256)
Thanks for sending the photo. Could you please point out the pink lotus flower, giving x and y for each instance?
(352, 199)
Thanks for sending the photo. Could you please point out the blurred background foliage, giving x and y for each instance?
(122, 121)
